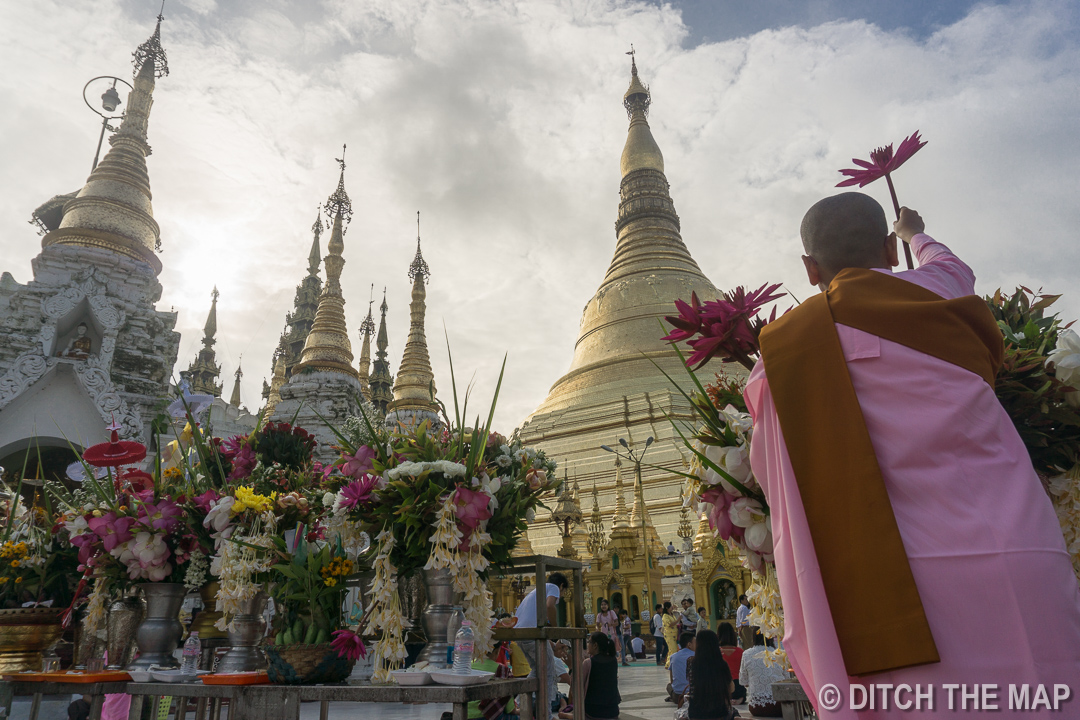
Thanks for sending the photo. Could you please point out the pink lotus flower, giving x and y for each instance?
(348, 644)
(728, 327)
(719, 502)
(359, 464)
(111, 529)
(358, 492)
(471, 507)
(882, 162)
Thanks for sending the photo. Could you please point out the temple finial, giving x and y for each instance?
(327, 347)
(419, 266)
(235, 399)
(151, 50)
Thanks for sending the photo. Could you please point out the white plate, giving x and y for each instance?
(449, 677)
(174, 676)
(140, 675)
(404, 677)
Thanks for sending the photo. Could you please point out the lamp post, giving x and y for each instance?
(110, 101)
(636, 459)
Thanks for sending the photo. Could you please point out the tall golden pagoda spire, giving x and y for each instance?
(205, 370)
(651, 268)
(414, 389)
(367, 329)
(620, 336)
(113, 210)
(276, 383)
(381, 382)
(327, 347)
(234, 400)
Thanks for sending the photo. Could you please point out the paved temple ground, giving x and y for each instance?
(642, 686)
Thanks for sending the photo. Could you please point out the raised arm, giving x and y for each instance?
(939, 269)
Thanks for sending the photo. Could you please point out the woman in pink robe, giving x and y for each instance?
(982, 538)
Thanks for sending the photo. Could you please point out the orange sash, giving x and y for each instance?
(875, 604)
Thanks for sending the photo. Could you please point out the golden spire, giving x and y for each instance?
(620, 334)
(621, 519)
(275, 387)
(235, 399)
(686, 530)
(597, 541)
(113, 210)
(327, 348)
(524, 546)
(414, 389)
(367, 329)
(380, 381)
(704, 538)
(641, 150)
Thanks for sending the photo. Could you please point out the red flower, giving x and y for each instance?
(728, 327)
(882, 162)
(348, 644)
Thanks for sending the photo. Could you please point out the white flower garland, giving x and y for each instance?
(767, 613)
(95, 608)
(235, 566)
(196, 575)
(384, 613)
(465, 568)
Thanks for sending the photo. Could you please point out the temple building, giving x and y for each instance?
(324, 386)
(299, 320)
(414, 389)
(614, 390)
(84, 343)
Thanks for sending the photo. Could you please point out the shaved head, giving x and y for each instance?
(846, 231)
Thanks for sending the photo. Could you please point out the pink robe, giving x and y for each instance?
(981, 535)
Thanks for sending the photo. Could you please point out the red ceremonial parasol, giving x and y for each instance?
(114, 453)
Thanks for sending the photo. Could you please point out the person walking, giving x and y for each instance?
(658, 635)
(670, 629)
(607, 622)
(625, 626)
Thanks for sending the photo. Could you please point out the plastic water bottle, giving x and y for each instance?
(192, 650)
(463, 648)
(452, 627)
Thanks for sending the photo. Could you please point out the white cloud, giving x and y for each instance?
(502, 122)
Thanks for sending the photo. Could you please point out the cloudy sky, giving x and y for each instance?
(501, 121)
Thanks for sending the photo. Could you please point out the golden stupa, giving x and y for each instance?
(612, 389)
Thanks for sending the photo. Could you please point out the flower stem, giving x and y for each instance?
(896, 207)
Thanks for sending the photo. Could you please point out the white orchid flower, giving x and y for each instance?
(745, 512)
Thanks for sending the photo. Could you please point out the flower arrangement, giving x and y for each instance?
(37, 566)
(455, 498)
(306, 583)
(1039, 386)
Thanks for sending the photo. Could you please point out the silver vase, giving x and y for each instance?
(159, 633)
(125, 616)
(245, 638)
(442, 602)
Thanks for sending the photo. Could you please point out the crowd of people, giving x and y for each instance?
(710, 672)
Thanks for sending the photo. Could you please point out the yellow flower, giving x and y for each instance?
(97, 513)
(18, 580)
(172, 474)
(330, 582)
(3, 579)
(15, 563)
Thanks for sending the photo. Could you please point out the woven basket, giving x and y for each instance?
(306, 664)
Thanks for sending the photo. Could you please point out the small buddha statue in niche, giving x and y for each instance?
(78, 347)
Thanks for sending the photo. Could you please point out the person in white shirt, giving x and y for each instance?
(742, 623)
(639, 647)
(658, 636)
(757, 677)
(703, 622)
(526, 618)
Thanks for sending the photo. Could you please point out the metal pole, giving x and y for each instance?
(101, 138)
(644, 531)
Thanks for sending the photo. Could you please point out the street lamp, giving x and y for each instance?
(110, 101)
(636, 459)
